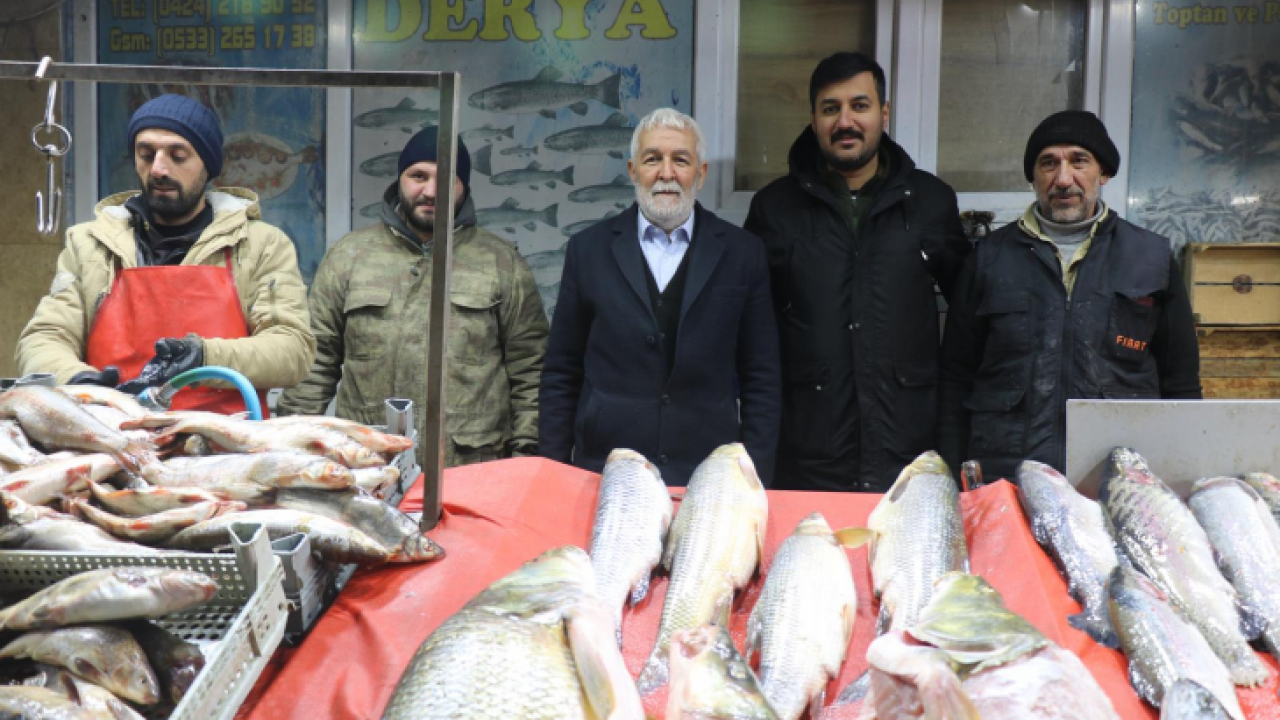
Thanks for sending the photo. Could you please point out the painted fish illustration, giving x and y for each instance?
(545, 93)
(383, 165)
(373, 211)
(575, 228)
(482, 160)
(609, 138)
(519, 151)
(619, 191)
(509, 214)
(405, 115)
(533, 175)
(488, 133)
(262, 163)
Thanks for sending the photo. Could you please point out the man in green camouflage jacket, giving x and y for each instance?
(369, 312)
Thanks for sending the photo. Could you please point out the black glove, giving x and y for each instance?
(107, 377)
(174, 356)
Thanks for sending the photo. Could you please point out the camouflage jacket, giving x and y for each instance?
(369, 310)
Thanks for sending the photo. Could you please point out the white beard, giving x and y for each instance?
(666, 214)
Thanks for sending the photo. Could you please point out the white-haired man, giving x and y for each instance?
(663, 339)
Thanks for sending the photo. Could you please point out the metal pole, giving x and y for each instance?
(438, 321)
(130, 74)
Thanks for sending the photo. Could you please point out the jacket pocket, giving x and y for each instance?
(806, 425)
(475, 447)
(473, 324)
(368, 329)
(998, 423)
(915, 406)
(1130, 328)
(1008, 320)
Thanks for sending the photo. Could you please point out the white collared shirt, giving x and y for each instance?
(663, 252)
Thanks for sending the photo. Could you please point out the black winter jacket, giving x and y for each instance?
(1017, 348)
(857, 321)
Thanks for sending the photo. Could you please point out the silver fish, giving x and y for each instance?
(95, 700)
(175, 661)
(245, 436)
(56, 421)
(104, 595)
(330, 540)
(709, 679)
(544, 93)
(381, 166)
(803, 621)
(39, 703)
(149, 500)
(375, 440)
(397, 532)
(1161, 537)
(105, 396)
(273, 469)
(509, 214)
(101, 654)
(404, 115)
(1072, 529)
(618, 190)
(155, 528)
(44, 483)
(15, 449)
(611, 138)
(29, 527)
(633, 514)
(1162, 646)
(1188, 700)
(712, 550)
(533, 175)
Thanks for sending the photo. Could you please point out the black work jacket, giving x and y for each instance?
(1017, 347)
(857, 318)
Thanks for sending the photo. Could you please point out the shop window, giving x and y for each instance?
(779, 44)
(1005, 66)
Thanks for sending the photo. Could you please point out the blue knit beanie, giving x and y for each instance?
(196, 123)
(422, 148)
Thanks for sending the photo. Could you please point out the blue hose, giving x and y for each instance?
(213, 372)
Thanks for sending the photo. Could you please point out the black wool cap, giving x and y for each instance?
(1072, 127)
(422, 148)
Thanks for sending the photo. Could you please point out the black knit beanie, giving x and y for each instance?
(422, 148)
(1072, 127)
(196, 123)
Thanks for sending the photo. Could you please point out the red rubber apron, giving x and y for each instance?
(149, 303)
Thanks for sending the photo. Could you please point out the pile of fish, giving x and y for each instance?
(96, 454)
(95, 651)
(1181, 588)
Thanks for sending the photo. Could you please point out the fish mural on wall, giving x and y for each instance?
(405, 116)
(611, 138)
(544, 94)
(619, 191)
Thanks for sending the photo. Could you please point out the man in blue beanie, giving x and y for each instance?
(174, 277)
(370, 306)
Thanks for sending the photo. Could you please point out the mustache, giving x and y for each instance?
(847, 134)
(662, 186)
(155, 184)
(1069, 192)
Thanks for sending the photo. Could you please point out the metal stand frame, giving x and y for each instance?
(449, 84)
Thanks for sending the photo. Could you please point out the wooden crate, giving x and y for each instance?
(1234, 285)
(1240, 364)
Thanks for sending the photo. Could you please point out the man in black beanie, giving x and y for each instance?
(1069, 302)
(370, 304)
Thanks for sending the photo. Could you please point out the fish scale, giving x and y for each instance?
(1161, 537)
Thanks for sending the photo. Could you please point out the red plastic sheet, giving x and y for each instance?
(500, 514)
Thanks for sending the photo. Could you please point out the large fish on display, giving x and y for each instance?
(713, 549)
(803, 621)
(404, 115)
(246, 436)
(330, 539)
(30, 527)
(619, 191)
(1161, 538)
(108, 656)
(509, 214)
(110, 594)
(611, 138)
(56, 421)
(537, 644)
(1071, 528)
(533, 175)
(545, 93)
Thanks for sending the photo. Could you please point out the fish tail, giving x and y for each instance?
(1097, 625)
(549, 215)
(656, 672)
(609, 91)
(567, 175)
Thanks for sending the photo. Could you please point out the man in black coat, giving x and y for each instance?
(1069, 302)
(663, 339)
(857, 237)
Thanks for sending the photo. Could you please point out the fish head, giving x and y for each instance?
(815, 524)
(1189, 700)
(551, 582)
(967, 618)
(1031, 471)
(928, 463)
(15, 511)
(1264, 482)
(186, 587)
(1128, 464)
(710, 679)
(327, 473)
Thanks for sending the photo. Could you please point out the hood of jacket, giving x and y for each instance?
(232, 207)
(465, 217)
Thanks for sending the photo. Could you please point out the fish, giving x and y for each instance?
(1160, 536)
(149, 500)
(30, 527)
(262, 163)
(1162, 645)
(110, 397)
(916, 536)
(376, 440)
(101, 654)
(710, 679)
(608, 138)
(1073, 531)
(519, 151)
(376, 481)
(397, 532)
(271, 469)
(38, 703)
(246, 436)
(331, 540)
(152, 529)
(56, 421)
(95, 700)
(15, 449)
(575, 228)
(509, 214)
(44, 483)
(1189, 700)
(633, 515)
(487, 133)
(533, 175)
(1246, 543)
(545, 93)
(802, 623)
(1268, 488)
(713, 548)
(618, 190)
(175, 661)
(970, 658)
(536, 644)
(112, 418)
(404, 115)
(381, 166)
(373, 211)
(104, 595)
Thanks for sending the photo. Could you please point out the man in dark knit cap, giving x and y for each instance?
(1069, 302)
(370, 304)
(174, 277)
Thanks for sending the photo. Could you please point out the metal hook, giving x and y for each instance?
(47, 223)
